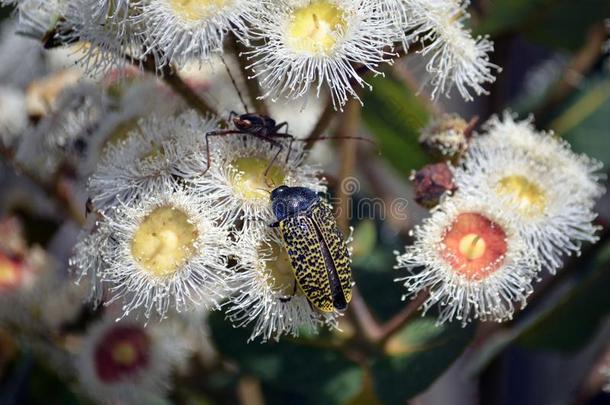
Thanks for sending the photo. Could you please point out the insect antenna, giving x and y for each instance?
(330, 138)
(241, 98)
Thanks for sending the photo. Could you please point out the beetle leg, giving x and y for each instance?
(294, 292)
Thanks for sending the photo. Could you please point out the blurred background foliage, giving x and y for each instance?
(548, 354)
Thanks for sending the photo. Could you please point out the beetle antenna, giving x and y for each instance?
(241, 98)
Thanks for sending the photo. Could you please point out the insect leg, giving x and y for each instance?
(284, 136)
(208, 160)
(280, 126)
(272, 161)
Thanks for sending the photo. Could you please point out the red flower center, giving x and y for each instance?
(122, 352)
(474, 246)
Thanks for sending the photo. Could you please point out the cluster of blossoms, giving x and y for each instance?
(178, 211)
(289, 46)
(524, 201)
(178, 229)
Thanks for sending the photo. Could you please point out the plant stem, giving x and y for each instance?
(366, 326)
(402, 318)
(349, 128)
(571, 78)
(323, 122)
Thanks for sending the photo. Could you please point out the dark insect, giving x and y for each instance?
(259, 126)
(266, 129)
(317, 250)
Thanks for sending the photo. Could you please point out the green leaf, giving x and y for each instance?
(416, 357)
(561, 24)
(584, 121)
(319, 374)
(574, 321)
(395, 116)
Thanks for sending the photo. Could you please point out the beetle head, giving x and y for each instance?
(288, 201)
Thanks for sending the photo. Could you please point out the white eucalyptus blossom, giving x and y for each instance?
(181, 30)
(265, 294)
(471, 258)
(549, 189)
(242, 172)
(455, 58)
(125, 362)
(63, 135)
(167, 250)
(319, 44)
(104, 42)
(151, 158)
(548, 149)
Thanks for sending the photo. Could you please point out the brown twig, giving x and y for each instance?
(249, 391)
(402, 318)
(252, 85)
(170, 76)
(364, 321)
(323, 122)
(595, 380)
(571, 78)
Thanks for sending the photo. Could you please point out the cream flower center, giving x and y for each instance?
(472, 246)
(164, 241)
(316, 28)
(194, 10)
(254, 179)
(529, 197)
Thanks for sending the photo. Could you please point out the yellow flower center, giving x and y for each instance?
(164, 241)
(472, 246)
(316, 28)
(280, 269)
(194, 10)
(254, 179)
(528, 197)
(124, 354)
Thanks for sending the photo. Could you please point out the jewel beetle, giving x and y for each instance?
(317, 250)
